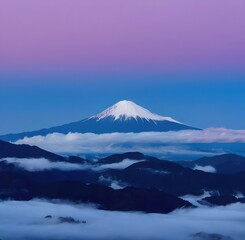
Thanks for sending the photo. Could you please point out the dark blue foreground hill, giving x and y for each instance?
(123, 117)
(149, 184)
(9, 150)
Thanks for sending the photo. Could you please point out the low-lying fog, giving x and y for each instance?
(43, 164)
(26, 220)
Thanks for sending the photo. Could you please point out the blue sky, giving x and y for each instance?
(34, 101)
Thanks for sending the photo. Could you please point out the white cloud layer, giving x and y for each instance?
(41, 164)
(25, 220)
(207, 168)
(193, 199)
(119, 165)
(146, 142)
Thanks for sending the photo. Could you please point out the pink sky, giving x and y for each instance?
(122, 34)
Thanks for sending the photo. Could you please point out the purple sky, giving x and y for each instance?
(122, 35)
(63, 60)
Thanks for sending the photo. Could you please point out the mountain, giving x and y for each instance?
(222, 200)
(143, 172)
(10, 150)
(76, 185)
(226, 163)
(18, 187)
(171, 177)
(124, 116)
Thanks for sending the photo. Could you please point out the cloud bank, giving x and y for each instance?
(146, 142)
(119, 165)
(207, 168)
(41, 164)
(17, 223)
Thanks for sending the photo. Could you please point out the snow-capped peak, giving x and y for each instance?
(127, 109)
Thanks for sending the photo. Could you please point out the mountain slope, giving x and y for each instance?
(9, 150)
(226, 163)
(115, 158)
(15, 185)
(147, 173)
(173, 178)
(124, 116)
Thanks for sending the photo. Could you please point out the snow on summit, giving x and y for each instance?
(127, 109)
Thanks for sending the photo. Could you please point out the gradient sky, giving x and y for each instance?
(62, 60)
(134, 34)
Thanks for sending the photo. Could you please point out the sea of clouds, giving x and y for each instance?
(25, 220)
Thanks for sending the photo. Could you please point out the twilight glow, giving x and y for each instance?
(169, 35)
(122, 119)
